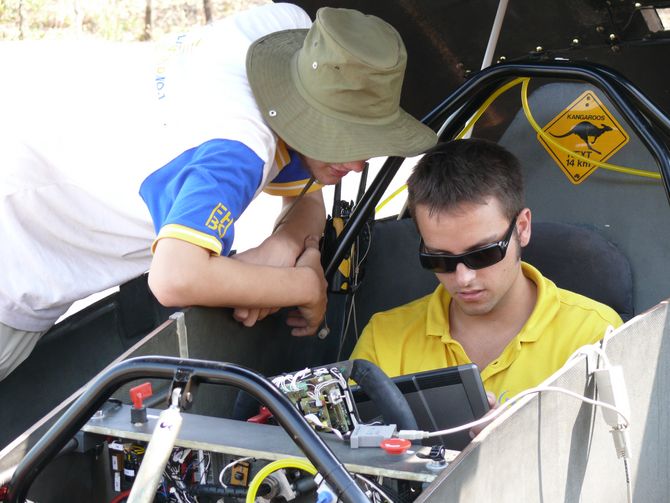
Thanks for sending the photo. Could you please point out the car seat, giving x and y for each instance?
(582, 260)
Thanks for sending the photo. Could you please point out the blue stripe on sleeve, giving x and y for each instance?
(206, 188)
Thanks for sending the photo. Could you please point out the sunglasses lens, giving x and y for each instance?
(438, 264)
(484, 258)
(478, 259)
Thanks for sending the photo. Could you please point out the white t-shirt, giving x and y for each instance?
(86, 126)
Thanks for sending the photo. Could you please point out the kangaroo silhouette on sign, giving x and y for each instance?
(585, 130)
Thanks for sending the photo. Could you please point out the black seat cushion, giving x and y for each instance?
(582, 260)
(576, 258)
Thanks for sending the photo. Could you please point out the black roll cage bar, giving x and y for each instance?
(183, 372)
(646, 118)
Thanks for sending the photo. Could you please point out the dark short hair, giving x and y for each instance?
(466, 171)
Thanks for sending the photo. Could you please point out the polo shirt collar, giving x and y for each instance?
(437, 314)
(546, 307)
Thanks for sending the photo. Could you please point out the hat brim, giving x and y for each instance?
(311, 132)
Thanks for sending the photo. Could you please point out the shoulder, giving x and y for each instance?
(403, 313)
(578, 305)
(567, 303)
(272, 17)
(388, 332)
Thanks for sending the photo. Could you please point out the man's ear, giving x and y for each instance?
(523, 226)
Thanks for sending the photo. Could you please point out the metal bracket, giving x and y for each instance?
(183, 379)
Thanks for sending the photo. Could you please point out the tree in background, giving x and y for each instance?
(207, 8)
(120, 20)
(147, 22)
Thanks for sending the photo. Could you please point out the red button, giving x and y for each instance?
(395, 445)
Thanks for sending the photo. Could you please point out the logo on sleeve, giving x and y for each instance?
(219, 220)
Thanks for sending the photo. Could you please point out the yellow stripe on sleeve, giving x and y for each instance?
(189, 235)
(288, 189)
(282, 157)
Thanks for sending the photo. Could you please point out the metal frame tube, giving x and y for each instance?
(643, 115)
(203, 371)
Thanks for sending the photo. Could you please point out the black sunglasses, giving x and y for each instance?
(480, 258)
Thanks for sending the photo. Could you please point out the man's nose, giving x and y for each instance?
(355, 166)
(464, 275)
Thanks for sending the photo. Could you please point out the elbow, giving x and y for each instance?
(171, 290)
(175, 271)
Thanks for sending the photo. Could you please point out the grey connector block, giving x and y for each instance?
(368, 435)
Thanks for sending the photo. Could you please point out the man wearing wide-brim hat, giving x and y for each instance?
(331, 96)
(262, 101)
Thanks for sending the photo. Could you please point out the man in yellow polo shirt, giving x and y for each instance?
(491, 309)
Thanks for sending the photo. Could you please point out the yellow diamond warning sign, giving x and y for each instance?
(585, 128)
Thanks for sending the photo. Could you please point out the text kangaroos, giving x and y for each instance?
(585, 130)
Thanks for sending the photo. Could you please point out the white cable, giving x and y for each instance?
(619, 429)
(587, 350)
(336, 372)
(375, 486)
(417, 434)
(629, 487)
(346, 326)
(351, 314)
(230, 465)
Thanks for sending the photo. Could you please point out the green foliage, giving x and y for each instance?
(118, 20)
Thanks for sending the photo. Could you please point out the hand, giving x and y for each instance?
(493, 405)
(307, 318)
(272, 252)
(249, 316)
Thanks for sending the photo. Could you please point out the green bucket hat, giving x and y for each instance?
(333, 92)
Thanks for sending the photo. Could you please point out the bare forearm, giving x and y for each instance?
(306, 218)
(183, 274)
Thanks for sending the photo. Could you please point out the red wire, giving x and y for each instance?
(120, 497)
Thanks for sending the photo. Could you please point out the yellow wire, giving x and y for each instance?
(531, 120)
(548, 139)
(280, 464)
(388, 199)
(482, 109)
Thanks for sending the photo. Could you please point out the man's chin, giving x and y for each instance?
(329, 179)
(474, 308)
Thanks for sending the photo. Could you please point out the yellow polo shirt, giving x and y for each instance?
(415, 337)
